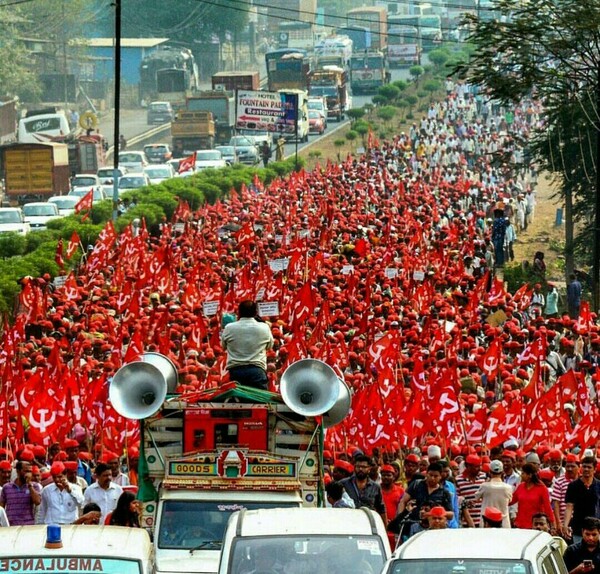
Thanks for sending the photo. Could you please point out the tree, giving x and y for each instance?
(550, 47)
(355, 114)
(386, 113)
(439, 57)
(389, 92)
(415, 72)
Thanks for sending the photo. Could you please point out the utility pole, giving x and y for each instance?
(64, 54)
(596, 254)
(117, 108)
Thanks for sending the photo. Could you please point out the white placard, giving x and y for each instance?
(59, 280)
(391, 272)
(260, 294)
(279, 238)
(279, 264)
(304, 233)
(418, 275)
(210, 308)
(268, 309)
(347, 269)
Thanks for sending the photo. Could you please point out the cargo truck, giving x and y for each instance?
(376, 19)
(330, 82)
(231, 81)
(192, 130)
(222, 106)
(34, 172)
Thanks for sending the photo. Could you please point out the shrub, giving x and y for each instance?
(12, 244)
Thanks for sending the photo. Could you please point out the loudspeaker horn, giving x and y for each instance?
(309, 387)
(165, 366)
(137, 390)
(340, 409)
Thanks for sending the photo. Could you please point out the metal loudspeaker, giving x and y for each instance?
(165, 366)
(138, 390)
(309, 387)
(337, 413)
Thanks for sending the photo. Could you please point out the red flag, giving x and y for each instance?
(182, 211)
(188, 163)
(534, 389)
(361, 247)
(303, 306)
(58, 256)
(489, 363)
(74, 243)
(586, 431)
(85, 204)
(504, 422)
(478, 427)
(245, 234)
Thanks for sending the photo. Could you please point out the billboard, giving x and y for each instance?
(269, 111)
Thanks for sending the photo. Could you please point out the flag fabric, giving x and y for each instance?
(85, 204)
(58, 256)
(73, 245)
(187, 163)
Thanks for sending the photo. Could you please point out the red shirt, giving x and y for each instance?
(391, 498)
(531, 501)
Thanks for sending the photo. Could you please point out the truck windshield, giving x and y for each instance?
(70, 565)
(324, 91)
(431, 566)
(310, 553)
(187, 524)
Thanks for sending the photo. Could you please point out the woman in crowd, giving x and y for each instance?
(532, 496)
(126, 513)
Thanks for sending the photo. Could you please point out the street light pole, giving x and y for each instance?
(596, 253)
(117, 108)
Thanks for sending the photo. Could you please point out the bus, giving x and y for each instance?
(404, 46)
(287, 68)
(43, 127)
(431, 31)
(375, 18)
(368, 71)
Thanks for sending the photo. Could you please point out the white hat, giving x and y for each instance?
(434, 451)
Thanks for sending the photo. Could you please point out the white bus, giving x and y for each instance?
(43, 128)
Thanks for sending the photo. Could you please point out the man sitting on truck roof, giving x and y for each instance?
(246, 342)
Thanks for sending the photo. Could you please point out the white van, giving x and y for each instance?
(105, 549)
(305, 540)
(43, 128)
(477, 551)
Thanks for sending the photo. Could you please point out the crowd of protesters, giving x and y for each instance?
(384, 267)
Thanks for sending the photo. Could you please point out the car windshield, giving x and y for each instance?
(314, 115)
(11, 216)
(462, 566)
(154, 173)
(226, 150)
(33, 210)
(81, 181)
(208, 155)
(315, 105)
(343, 554)
(242, 141)
(131, 182)
(155, 150)
(107, 172)
(162, 107)
(130, 158)
(65, 202)
(187, 524)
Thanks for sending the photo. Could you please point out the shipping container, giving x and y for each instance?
(231, 81)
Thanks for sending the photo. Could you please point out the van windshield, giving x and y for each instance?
(72, 565)
(187, 524)
(481, 566)
(309, 553)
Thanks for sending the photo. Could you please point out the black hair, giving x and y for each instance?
(247, 309)
(90, 507)
(590, 523)
(435, 467)
(122, 514)
(335, 490)
(101, 467)
(363, 458)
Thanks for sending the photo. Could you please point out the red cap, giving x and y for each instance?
(546, 474)
(27, 455)
(70, 465)
(473, 459)
(492, 514)
(555, 454)
(344, 465)
(437, 511)
(39, 451)
(70, 443)
(412, 458)
(509, 454)
(327, 454)
(572, 458)
(5, 465)
(84, 455)
(387, 468)
(57, 468)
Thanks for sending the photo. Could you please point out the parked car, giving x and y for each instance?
(99, 194)
(229, 153)
(133, 160)
(158, 152)
(159, 113)
(133, 181)
(65, 203)
(159, 172)
(38, 214)
(11, 219)
(315, 122)
(209, 158)
(106, 177)
(245, 147)
(85, 181)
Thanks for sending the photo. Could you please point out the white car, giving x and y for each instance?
(98, 196)
(11, 219)
(209, 158)
(38, 214)
(65, 204)
(133, 181)
(106, 177)
(159, 172)
(133, 160)
(85, 182)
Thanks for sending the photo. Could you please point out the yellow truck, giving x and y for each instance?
(34, 172)
(192, 130)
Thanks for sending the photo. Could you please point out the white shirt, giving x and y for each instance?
(121, 479)
(59, 506)
(105, 499)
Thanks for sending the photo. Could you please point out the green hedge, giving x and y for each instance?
(35, 254)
